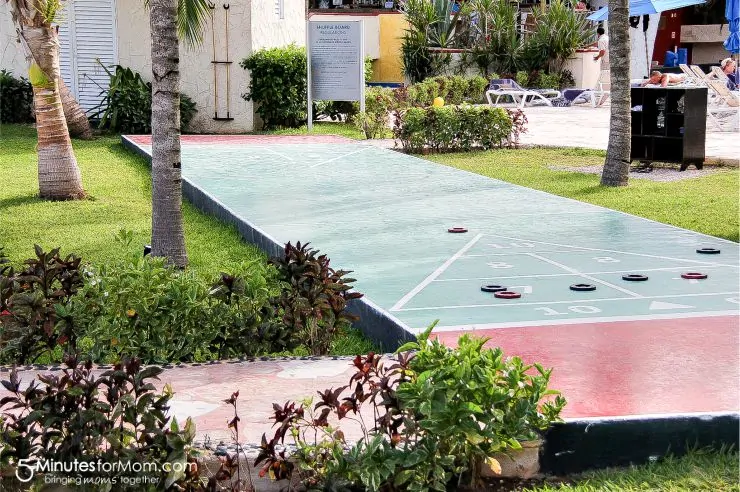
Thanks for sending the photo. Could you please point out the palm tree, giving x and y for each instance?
(166, 18)
(59, 176)
(617, 163)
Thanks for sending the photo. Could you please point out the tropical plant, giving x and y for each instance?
(127, 103)
(115, 417)
(496, 45)
(35, 303)
(278, 85)
(452, 128)
(16, 95)
(314, 296)
(438, 413)
(559, 32)
(617, 162)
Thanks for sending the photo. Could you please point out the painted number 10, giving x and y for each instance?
(573, 309)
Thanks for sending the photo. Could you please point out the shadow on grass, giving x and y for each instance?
(15, 201)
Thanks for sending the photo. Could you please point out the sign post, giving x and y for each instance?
(335, 58)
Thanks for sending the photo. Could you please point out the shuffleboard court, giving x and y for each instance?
(385, 215)
(664, 346)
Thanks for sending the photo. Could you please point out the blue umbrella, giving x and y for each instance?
(643, 7)
(732, 12)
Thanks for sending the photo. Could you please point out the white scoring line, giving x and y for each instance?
(578, 301)
(436, 273)
(584, 275)
(667, 269)
(363, 149)
(614, 251)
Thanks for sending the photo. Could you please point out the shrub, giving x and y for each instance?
(438, 413)
(559, 32)
(454, 128)
(16, 99)
(379, 102)
(115, 417)
(127, 104)
(147, 308)
(35, 303)
(453, 89)
(314, 296)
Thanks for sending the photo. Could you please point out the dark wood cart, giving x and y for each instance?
(669, 125)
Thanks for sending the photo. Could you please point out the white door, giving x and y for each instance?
(87, 35)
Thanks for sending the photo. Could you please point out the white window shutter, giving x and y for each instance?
(87, 33)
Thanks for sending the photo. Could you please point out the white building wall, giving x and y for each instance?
(253, 24)
(12, 57)
(270, 30)
(638, 38)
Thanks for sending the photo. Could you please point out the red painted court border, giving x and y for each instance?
(632, 368)
(247, 139)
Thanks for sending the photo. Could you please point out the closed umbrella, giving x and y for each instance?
(732, 12)
(644, 7)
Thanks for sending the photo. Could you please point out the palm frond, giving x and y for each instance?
(192, 19)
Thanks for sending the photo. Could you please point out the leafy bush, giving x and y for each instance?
(559, 32)
(438, 413)
(127, 104)
(147, 308)
(16, 99)
(278, 85)
(379, 102)
(314, 296)
(452, 128)
(115, 417)
(34, 305)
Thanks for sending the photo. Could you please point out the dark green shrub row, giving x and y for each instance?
(143, 308)
(438, 413)
(16, 99)
(278, 84)
(127, 104)
(456, 128)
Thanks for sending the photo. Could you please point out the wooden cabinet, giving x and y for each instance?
(669, 125)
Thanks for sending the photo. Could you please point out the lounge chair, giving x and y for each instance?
(520, 96)
(724, 107)
(596, 96)
(691, 76)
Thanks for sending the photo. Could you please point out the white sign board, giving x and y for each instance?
(336, 63)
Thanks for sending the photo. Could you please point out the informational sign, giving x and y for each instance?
(336, 66)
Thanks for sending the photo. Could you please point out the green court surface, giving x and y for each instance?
(385, 216)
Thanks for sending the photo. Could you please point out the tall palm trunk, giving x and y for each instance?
(59, 176)
(77, 121)
(168, 235)
(616, 166)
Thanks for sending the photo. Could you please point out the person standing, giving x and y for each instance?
(603, 45)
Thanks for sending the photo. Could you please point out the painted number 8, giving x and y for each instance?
(499, 264)
(606, 259)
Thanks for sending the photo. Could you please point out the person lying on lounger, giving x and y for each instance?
(664, 79)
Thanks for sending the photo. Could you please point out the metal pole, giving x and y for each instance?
(362, 66)
(212, 6)
(228, 67)
(309, 123)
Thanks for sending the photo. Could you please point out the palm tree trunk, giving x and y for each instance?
(168, 235)
(59, 176)
(616, 166)
(77, 121)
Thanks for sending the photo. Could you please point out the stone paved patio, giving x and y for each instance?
(589, 128)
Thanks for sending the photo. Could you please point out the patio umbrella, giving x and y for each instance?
(732, 12)
(644, 7)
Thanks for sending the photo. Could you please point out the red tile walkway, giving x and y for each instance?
(604, 370)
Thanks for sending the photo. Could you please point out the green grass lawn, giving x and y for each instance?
(708, 204)
(118, 184)
(700, 470)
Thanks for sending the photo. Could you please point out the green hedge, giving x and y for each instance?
(278, 86)
(16, 99)
(454, 128)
